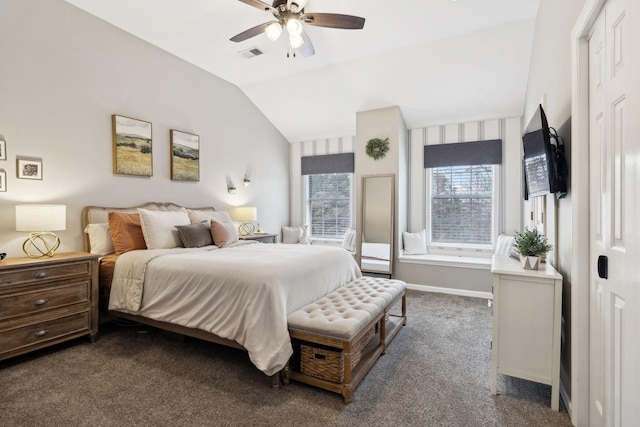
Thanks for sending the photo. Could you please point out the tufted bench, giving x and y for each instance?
(340, 336)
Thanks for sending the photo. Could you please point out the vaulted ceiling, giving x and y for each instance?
(440, 61)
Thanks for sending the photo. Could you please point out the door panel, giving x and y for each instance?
(614, 149)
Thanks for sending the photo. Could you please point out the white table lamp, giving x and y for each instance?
(40, 221)
(244, 214)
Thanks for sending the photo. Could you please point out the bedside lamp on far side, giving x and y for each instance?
(40, 221)
(244, 214)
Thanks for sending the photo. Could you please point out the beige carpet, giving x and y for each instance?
(436, 373)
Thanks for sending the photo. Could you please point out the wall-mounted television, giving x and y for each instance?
(544, 164)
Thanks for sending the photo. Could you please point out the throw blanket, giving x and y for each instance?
(242, 293)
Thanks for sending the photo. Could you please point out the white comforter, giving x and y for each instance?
(241, 293)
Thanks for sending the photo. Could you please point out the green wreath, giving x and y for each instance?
(377, 148)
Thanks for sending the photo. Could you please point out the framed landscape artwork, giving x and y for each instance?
(185, 156)
(3, 180)
(3, 148)
(28, 168)
(132, 146)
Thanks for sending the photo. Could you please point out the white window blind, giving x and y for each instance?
(462, 204)
(329, 204)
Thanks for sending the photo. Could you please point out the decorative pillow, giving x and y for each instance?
(223, 233)
(199, 216)
(159, 227)
(415, 243)
(99, 238)
(292, 234)
(126, 232)
(304, 239)
(195, 235)
(349, 241)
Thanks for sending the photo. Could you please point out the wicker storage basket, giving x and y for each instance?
(328, 363)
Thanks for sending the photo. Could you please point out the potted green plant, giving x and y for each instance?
(531, 245)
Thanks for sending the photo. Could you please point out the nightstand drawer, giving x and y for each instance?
(44, 298)
(44, 273)
(42, 332)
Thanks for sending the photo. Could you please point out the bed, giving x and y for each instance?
(237, 295)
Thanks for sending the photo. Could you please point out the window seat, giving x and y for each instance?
(480, 263)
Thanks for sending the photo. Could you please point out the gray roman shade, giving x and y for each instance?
(328, 163)
(463, 154)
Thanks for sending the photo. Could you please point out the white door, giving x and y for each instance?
(614, 76)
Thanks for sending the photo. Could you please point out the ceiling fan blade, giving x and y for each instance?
(251, 32)
(333, 20)
(307, 48)
(260, 5)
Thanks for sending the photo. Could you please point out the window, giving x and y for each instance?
(329, 204)
(329, 189)
(462, 187)
(462, 205)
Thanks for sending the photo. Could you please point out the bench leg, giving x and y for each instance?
(404, 309)
(383, 332)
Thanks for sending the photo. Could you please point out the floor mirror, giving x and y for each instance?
(376, 248)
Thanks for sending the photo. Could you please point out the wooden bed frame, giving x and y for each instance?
(99, 214)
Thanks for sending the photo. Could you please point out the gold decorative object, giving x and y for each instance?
(39, 244)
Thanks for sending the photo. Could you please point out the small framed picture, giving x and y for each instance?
(3, 180)
(132, 146)
(28, 168)
(185, 156)
(3, 148)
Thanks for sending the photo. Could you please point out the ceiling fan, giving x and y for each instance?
(290, 14)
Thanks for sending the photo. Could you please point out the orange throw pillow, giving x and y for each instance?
(126, 232)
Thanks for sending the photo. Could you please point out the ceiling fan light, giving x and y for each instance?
(273, 31)
(295, 41)
(294, 27)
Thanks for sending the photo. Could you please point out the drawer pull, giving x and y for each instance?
(40, 274)
(42, 333)
(41, 301)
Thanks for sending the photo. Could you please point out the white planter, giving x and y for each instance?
(530, 262)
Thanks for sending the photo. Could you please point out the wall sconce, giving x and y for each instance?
(231, 188)
(244, 214)
(34, 218)
(246, 181)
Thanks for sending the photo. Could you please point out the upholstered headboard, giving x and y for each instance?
(100, 214)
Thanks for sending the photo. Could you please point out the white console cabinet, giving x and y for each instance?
(526, 324)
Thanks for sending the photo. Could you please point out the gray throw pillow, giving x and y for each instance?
(195, 235)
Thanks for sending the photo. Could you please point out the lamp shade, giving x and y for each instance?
(273, 31)
(243, 213)
(41, 217)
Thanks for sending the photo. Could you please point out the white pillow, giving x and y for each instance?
(159, 227)
(100, 239)
(292, 234)
(415, 243)
(199, 216)
(304, 239)
(349, 241)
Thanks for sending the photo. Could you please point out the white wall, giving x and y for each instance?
(65, 72)
(550, 81)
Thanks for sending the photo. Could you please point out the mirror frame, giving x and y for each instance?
(363, 187)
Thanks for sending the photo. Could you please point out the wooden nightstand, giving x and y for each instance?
(264, 238)
(46, 301)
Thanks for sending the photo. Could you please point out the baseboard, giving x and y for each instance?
(566, 400)
(451, 291)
